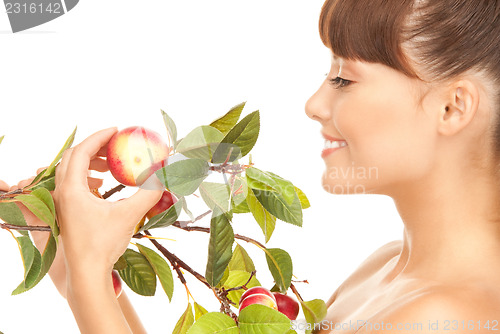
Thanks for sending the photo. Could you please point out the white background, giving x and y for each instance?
(117, 63)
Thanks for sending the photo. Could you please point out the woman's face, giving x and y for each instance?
(378, 134)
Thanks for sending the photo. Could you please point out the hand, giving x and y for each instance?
(95, 232)
(57, 271)
(4, 186)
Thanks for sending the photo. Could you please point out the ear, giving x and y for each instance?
(460, 106)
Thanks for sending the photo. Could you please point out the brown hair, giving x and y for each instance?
(448, 37)
(444, 38)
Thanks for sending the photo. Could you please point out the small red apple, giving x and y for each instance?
(258, 298)
(165, 202)
(254, 290)
(117, 283)
(134, 154)
(287, 305)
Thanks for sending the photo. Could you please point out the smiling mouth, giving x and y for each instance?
(332, 146)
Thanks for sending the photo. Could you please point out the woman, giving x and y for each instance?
(412, 96)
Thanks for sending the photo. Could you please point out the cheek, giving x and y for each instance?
(386, 134)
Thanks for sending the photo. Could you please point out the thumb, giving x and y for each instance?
(137, 205)
(144, 199)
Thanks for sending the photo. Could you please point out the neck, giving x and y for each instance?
(451, 225)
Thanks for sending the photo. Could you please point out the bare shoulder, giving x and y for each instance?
(371, 264)
(381, 255)
(440, 310)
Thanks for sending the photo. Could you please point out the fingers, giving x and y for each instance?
(4, 186)
(102, 151)
(99, 165)
(140, 203)
(83, 153)
(39, 170)
(63, 166)
(94, 183)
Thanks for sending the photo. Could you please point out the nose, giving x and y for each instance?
(317, 107)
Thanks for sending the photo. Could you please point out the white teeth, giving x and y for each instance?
(334, 144)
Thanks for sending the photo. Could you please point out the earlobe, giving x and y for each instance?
(462, 104)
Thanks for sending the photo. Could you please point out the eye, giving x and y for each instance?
(339, 82)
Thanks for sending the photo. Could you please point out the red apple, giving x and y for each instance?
(117, 283)
(255, 290)
(134, 154)
(258, 298)
(165, 202)
(287, 305)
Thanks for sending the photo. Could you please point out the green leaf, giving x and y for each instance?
(48, 183)
(276, 204)
(258, 319)
(11, 214)
(200, 143)
(120, 264)
(183, 177)
(215, 195)
(50, 171)
(138, 274)
(48, 256)
(266, 221)
(240, 260)
(224, 278)
(38, 208)
(261, 180)
(239, 196)
(219, 247)
(198, 311)
(304, 202)
(32, 261)
(164, 219)
(280, 266)
(214, 322)
(238, 278)
(240, 139)
(45, 196)
(171, 128)
(241, 207)
(161, 268)
(314, 311)
(1, 139)
(229, 120)
(185, 321)
(186, 209)
(285, 188)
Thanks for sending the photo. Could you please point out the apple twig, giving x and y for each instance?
(207, 230)
(294, 290)
(111, 192)
(25, 228)
(244, 286)
(183, 223)
(178, 263)
(10, 194)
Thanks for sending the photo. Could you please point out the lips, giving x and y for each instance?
(332, 144)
